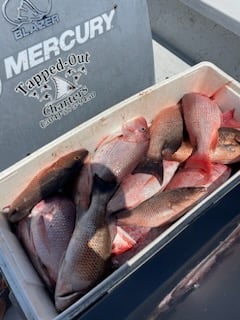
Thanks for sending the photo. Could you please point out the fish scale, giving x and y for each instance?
(88, 254)
(163, 207)
(45, 183)
(166, 134)
(202, 117)
(118, 156)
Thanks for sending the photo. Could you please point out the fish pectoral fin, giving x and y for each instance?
(102, 185)
(152, 167)
(107, 139)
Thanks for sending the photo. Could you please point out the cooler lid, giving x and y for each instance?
(61, 63)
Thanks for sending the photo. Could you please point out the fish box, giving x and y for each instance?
(204, 278)
(28, 289)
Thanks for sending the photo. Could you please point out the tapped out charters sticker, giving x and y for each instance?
(59, 87)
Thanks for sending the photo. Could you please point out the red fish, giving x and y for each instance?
(136, 188)
(166, 134)
(203, 119)
(117, 156)
(190, 177)
(227, 150)
(229, 121)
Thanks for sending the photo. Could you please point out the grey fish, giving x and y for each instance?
(46, 233)
(47, 182)
(88, 254)
(162, 208)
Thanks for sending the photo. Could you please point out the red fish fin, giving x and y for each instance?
(107, 139)
(122, 242)
(215, 140)
(228, 119)
(199, 161)
(151, 167)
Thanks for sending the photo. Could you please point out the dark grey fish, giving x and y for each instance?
(88, 254)
(47, 182)
(162, 208)
(45, 235)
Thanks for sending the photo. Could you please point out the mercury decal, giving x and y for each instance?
(28, 16)
(54, 46)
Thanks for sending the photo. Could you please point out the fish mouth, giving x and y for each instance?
(65, 300)
(15, 215)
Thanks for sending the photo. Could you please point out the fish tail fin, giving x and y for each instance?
(152, 167)
(228, 119)
(122, 242)
(102, 190)
(103, 186)
(199, 161)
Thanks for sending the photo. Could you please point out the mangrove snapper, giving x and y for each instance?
(162, 208)
(45, 234)
(47, 182)
(87, 256)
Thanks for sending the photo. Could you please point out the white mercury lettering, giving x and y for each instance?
(50, 46)
(43, 51)
(108, 19)
(35, 55)
(81, 39)
(16, 66)
(96, 25)
(62, 41)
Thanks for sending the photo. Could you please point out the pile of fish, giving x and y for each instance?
(87, 213)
